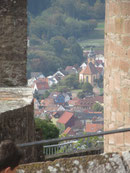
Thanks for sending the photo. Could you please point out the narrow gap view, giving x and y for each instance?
(65, 69)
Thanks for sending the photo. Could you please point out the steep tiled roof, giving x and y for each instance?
(48, 102)
(93, 127)
(89, 70)
(89, 101)
(42, 84)
(65, 117)
(99, 99)
(73, 101)
(69, 68)
(99, 69)
(67, 130)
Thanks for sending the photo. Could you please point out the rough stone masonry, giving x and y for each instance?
(117, 74)
(13, 39)
(104, 163)
(16, 100)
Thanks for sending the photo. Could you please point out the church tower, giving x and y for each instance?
(91, 56)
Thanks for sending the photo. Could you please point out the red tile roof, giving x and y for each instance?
(48, 102)
(74, 101)
(69, 68)
(93, 127)
(99, 69)
(65, 117)
(42, 84)
(99, 99)
(89, 101)
(67, 130)
(89, 70)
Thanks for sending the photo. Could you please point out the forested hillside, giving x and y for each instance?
(55, 26)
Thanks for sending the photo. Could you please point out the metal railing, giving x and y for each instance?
(65, 147)
(57, 146)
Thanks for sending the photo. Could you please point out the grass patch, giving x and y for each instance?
(94, 39)
(77, 90)
(97, 43)
(96, 34)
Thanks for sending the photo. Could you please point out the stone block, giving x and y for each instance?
(119, 139)
(127, 26)
(114, 8)
(104, 163)
(124, 66)
(127, 139)
(127, 119)
(119, 23)
(125, 8)
(17, 117)
(120, 120)
(112, 139)
(13, 41)
(126, 41)
(115, 102)
(124, 106)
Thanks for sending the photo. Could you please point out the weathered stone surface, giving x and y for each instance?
(15, 98)
(16, 117)
(105, 163)
(13, 41)
(117, 74)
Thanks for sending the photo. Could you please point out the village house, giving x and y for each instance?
(89, 117)
(37, 75)
(88, 102)
(71, 70)
(58, 75)
(52, 81)
(65, 121)
(91, 70)
(83, 65)
(60, 99)
(89, 74)
(68, 132)
(78, 127)
(41, 85)
(55, 116)
(91, 128)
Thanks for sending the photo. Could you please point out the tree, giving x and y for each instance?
(59, 43)
(70, 81)
(99, 82)
(49, 130)
(46, 94)
(36, 7)
(97, 107)
(87, 87)
(81, 95)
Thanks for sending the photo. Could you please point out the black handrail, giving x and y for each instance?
(56, 140)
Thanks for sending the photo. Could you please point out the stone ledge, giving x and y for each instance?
(15, 98)
(104, 163)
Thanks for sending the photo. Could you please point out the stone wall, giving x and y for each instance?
(16, 100)
(16, 117)
(105, 163)
(13, 38)
(117, 74)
